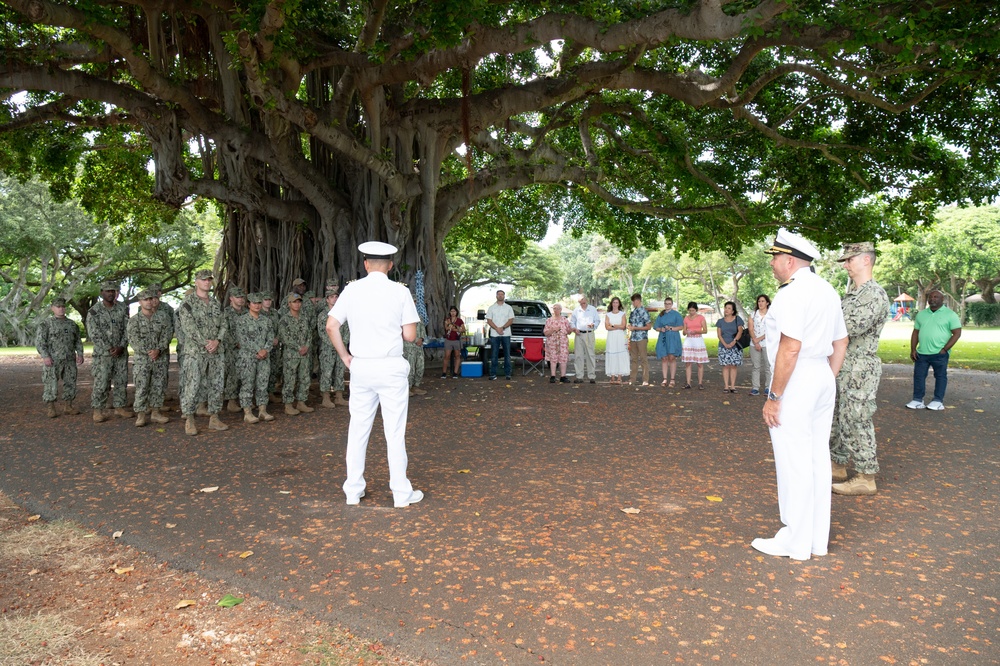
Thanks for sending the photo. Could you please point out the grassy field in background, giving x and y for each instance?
(978, 349)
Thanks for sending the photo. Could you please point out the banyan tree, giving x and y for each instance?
(314, 125)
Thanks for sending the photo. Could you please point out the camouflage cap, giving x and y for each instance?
(59, 303)
(255, 297)
(236, 292)
(332, 289)
(267, 295)
(146, 294)
(156, 286)
(109, 285)
(293, 297)
(854, 249)
(297, 281)
(204, 274)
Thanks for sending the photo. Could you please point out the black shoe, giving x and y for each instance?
(493, 379)
(552, 380)
(564, 380)
(444, 375)
(508, 378)
(593, 381)
(577, 381)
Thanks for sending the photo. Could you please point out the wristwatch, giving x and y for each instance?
(771, 395)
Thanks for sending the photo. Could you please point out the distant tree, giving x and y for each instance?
(50, 248)
(536, 268)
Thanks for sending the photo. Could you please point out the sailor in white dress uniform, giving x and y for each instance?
(806, 343)
(380, 315)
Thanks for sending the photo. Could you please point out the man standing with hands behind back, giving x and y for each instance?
(379, 314)
(806, 343)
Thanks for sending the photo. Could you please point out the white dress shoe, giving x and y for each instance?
(414, 497)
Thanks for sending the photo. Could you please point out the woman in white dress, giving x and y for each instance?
(616, 349)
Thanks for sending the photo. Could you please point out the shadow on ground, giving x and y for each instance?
(521, 552)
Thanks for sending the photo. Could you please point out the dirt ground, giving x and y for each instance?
(79, 599)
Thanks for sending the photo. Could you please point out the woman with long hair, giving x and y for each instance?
(616, 348)
(454, 329)
(694, 352)
(758, 345)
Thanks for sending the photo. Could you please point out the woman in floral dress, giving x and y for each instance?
(557, 330)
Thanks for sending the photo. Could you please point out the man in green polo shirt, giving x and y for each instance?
(936, 329)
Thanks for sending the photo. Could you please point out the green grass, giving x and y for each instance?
(966, 354)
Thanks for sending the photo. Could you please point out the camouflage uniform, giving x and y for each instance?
(58, 338)
(106, 329)
(253, 334)
(275, 356)
(853, 435)
(172, 315)
(234, 371)
(203, 372)
(295, 332)
(414, 355)
(331, 367)
(146, 334)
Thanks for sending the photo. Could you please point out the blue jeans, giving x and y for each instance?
(939, 362)
(495, 344)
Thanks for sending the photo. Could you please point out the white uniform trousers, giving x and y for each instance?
(374, 382)
(802, 459)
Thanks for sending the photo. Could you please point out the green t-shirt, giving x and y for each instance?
(935, 329)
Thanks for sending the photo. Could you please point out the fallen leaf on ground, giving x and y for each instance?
(210, 489)
(184, 603)
(33, 572)
(124, 570)
(116, 535)
(171, 526)
(713, 498)
(285, 492)
(34, 518)
(464, 471)
(245, 554)
(630, 509)
(229, 601)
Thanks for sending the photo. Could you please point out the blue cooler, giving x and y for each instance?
(472, 369)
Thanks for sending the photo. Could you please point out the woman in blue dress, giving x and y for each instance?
(669, 324)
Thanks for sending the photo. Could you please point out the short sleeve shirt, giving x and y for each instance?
(806, 308)
(935, 329)
(375, 310)
(638, 317)
(498, 314)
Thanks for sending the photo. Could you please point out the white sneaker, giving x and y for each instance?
(936, 405)
(354, 501)
(915, 404)
(414, 497)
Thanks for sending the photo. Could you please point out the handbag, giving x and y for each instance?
(744, 340)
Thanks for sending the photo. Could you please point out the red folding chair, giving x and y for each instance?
(533, 355)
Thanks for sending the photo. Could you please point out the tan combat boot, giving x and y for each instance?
(157, 417)
(124, 412)
(416, 390)
(233, 406)
(141, 420)
(248, 416)
(338, 399)
(189, 427)
(99, 416)
(215, 423)
(275, 399)
(303, 407)
(862, 484)
(201, 409)
(263, 415)
(327, 402)
(50, 410)
(290, 409)
(69, 409)
(839, 473)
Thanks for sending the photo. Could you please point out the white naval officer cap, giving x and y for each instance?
(787, 242)
(377, 250)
